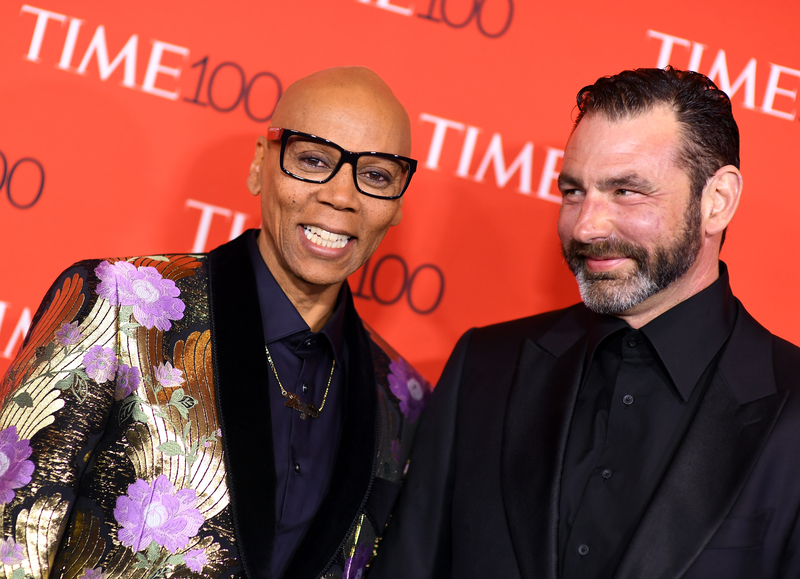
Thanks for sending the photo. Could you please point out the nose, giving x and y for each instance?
(594, 221)
(340, 192)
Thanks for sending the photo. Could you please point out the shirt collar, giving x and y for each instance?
(280, 319)
(689, 335)
(686, 337)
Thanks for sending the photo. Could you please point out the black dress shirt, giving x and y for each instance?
(305, 449)
(639, 392)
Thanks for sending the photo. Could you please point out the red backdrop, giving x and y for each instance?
(130, 130)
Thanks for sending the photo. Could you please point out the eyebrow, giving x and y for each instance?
(566, 181)
(624, 181)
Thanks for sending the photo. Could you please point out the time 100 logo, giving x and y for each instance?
(23, 181)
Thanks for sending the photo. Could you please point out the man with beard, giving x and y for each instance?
(652, 431)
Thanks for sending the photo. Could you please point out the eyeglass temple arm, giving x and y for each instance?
(274, 133)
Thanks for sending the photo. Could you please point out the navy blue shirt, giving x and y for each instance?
(305, 450)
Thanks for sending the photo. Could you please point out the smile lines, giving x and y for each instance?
(319, 236)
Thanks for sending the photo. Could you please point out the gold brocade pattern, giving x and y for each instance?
(64, 306)
(109, 417)
(86, 545)
(38, 529)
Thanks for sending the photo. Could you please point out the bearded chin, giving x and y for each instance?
(613, 293)
(607, 295)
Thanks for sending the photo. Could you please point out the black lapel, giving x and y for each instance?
(353, 471)
(240, 375)
(538, 416)
(713, 461)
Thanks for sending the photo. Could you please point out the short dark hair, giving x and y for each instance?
(710, 134)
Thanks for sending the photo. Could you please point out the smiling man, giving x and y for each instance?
(225, 415)
(651, 431)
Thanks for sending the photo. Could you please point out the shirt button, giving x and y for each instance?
(305, 389)
(297, 467)
(606, 474)
(583, 550)
(308, 343)
(632, 343)
(627, 400)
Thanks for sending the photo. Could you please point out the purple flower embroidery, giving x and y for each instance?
(195, 560)
(93, 574)
(154, 299)
(395, 450)
(355, 566)
(100, 364)
(127, 381)
(69, 334)
(167, 376)
(15, 471)
(10, 552)
(157, 513)
(411, 388)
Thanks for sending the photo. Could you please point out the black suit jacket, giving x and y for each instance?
(482, 495)
(360, 484)
(240, 370)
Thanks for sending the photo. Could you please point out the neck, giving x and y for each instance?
(702, 274)
(315, 303)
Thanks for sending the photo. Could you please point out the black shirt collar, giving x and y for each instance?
(686, 337)
(280, 318)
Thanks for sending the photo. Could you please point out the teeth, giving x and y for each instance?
(319, 236)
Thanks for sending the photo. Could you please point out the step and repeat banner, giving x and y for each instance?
(128, 129)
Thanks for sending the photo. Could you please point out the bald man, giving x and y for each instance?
(224, 415)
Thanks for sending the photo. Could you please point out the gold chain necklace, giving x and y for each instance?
(293, 401)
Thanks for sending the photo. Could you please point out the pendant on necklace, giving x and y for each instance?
(304, 409)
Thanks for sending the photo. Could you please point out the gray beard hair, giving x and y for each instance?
(605, 293)
(614, 296)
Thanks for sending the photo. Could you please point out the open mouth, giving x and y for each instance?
(319, 236)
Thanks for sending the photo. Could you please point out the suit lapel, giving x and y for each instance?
(240, 375)
(538, 415)
(712, 462)
(352, 474)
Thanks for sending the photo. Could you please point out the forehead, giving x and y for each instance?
(647, 143)
(355, 118)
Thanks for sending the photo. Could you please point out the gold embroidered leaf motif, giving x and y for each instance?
(148, 350)
(84, 546)
(181, 266)
(194, 359)
(63, 308)
(38, 533)
(142, 452)
(43, 383)
(172, 267)
(31, 419)
(190, 407)
(122, 565)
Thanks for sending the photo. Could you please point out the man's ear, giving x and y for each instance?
(721, 198)
(254, 178)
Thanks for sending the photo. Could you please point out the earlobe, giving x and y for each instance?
(254, 177)
(398, 216)
(721, 198)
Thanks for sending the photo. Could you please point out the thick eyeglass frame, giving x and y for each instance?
(282, 135)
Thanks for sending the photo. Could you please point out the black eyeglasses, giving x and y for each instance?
(316, 160)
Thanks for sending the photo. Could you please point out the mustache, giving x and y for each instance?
(576, 253)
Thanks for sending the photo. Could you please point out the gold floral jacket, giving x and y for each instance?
(135, 439)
